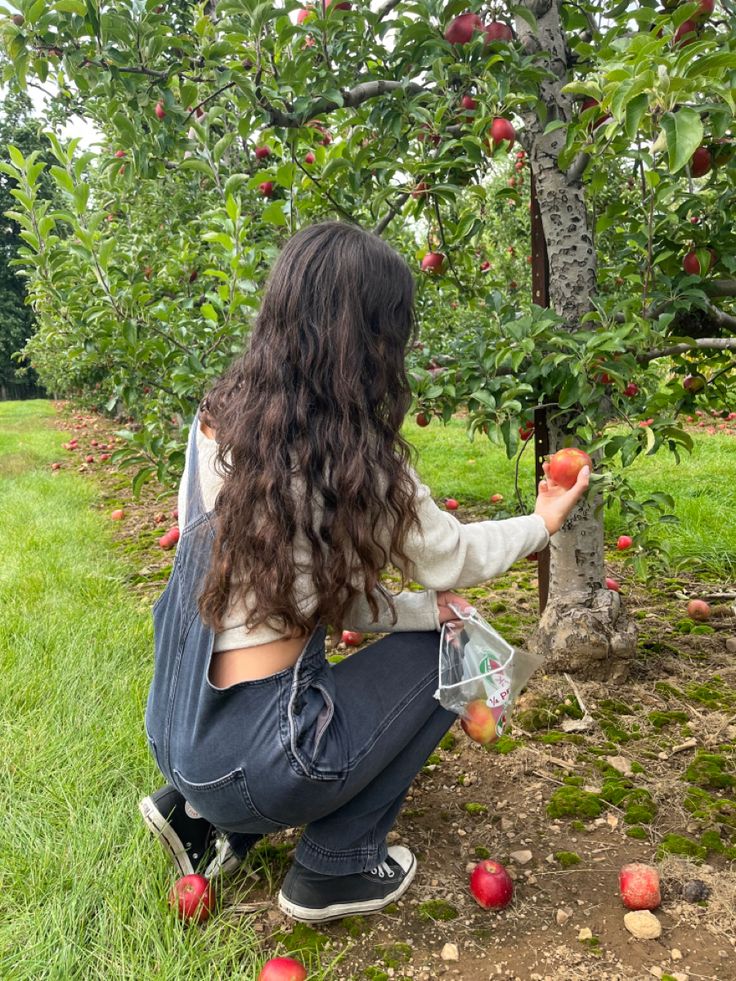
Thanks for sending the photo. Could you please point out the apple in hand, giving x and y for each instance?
(282, 969)
(698, 610)
(478, 722)
(491, 885)
(639, 886)
(193, 897)
(565, 465)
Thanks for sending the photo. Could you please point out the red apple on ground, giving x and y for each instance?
(266, 188)
(491, 885)
(478, 722)
(631, 390)
(262, 152)
(698, 610)
(159, 110)
(309, 158)
(496, 498)
(353, 638)
(624, 542)
(565, 465)
(104, 457)
(56, 466)
(173, 534)
(433, 263)
(165, 542)
(422, 419)
(497, 31)
(282, 969)
(451, 504)
(193, 897)
(701, 162)
(89, 459)
(175, 513)
(461, 29)
(501, 132)
(118, 514)
(612, 584)
(639, 886)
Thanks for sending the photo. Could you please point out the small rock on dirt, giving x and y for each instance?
(450, 953)
(585, 934)
(562, 916)
(643, 925)
(731, 645)
(676, 954)
(695, 890)
(521, 857)
(621, 764)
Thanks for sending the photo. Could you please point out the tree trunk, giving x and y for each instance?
(583, 628)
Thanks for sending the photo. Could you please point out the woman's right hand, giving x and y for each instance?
(443, 605)
(555, 502)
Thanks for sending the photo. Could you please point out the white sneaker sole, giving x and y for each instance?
(305, 914)
(162, 830)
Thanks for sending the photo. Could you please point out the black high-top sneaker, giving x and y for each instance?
(192, 843)
(314, 898)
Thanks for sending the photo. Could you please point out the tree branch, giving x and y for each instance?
(386, 8)
(351, 99)
(721, 287)
(697, 344)
(394, 207)
(576, 168)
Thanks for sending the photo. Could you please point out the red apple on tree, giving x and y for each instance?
(705, 9)
(686, 33)
(193, 897)
(691, 263)
(266, 188)
(422, 419)
(303, 14)
(159, 110)
(491, 885)
(262, 152)
(566, 464)
(502, 132)
(461, 29)
(433, 263)
(694, 383)
(631, 390)
(497, 31)
(420, 191)
(309, 158)
(701, 162)
(478, 722)
(639, 886)
(469, 103)
(120, 153)
(282, 969)
(590, 103)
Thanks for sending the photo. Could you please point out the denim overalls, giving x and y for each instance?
(334, 748)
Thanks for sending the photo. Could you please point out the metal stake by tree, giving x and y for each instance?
(540, 296)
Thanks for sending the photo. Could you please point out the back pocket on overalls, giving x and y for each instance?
(226, 803)
(312, 744)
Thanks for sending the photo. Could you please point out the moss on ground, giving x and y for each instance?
(356, 926)
(567, 859)
(302, 938)
(572, 801)
(661, 719)
(482, 852)
(674, 844)
(636, 831)
(437, 909)
(448, 741)
(710, 770)
(394, 954)
(475, 808)
(505, 744)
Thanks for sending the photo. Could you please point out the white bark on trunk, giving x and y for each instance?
(584, 628)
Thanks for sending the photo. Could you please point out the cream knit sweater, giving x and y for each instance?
(444, 554)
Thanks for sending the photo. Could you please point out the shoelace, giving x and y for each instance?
(383, 870)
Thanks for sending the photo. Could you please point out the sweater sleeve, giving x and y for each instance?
(414, 611)
(444, 554)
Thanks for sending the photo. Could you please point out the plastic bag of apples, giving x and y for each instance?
(480, 674)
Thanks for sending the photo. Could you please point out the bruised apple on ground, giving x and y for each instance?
(639, 886)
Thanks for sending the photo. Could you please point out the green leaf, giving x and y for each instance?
(634, 112)
(198, 164)
(684, 132)
(273, 213)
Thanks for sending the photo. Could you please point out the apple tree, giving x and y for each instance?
(225, 126)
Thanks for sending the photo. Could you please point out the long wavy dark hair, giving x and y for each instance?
(307, 423)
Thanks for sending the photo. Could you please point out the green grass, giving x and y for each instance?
(83, 885)
(703, 485)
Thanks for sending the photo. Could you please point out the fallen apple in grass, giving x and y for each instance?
(624, 542)
(496, 498)
(282, 969)
(639, 886)
(118, 514)
(613, 585)
(478, 722)
(192, 897)
(170, 538)
(566, 464)
(451, 504)
(352, 638)
(490, 885)
(698, 610)
(56, 466)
